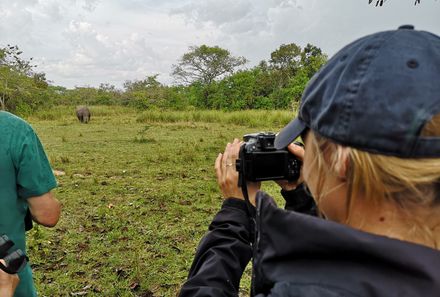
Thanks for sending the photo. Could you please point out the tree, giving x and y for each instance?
(286, 58)
(10, 56)
(107, 94)
(204, 64)
(146, 93)
(17, 80)
(312, 59)
(284, 63)
(140, 85)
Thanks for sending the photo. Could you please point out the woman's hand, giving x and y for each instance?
(298, 151)
(227, 175)
(8, 283)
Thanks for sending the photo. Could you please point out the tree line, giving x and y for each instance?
(206, 77)
(21, 88)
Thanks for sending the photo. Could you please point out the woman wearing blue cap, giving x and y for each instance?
(370, 121)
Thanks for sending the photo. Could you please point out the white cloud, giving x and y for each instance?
(218, 12)
(252, 29)
(90, 5)
(97, 55)
(86, 42)
(233, 16)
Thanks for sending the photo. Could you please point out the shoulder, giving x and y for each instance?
(15, 133)
(14, 130)
(9, 120)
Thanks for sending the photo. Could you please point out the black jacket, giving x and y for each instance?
(302, 255)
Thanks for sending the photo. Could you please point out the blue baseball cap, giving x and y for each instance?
(376, 94)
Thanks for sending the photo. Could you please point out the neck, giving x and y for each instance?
(419, 225)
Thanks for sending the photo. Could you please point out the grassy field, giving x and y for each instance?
(138, 194)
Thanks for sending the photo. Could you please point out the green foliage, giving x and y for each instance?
(213, 83)
(297, 84)
(150, 93)
(312, 58)
(204, 64)
(21, 89)
(10, 56)
(239, 90)
(278, 84)
(286, 60)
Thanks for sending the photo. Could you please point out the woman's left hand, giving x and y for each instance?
(227, 175)
(298, 151)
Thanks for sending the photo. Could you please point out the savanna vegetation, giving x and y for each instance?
(138, 192)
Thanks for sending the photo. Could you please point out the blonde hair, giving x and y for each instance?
(408, 183)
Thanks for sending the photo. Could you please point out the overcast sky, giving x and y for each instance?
(88, 42)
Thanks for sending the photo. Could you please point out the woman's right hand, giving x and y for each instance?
(298, 151)
(227, 175)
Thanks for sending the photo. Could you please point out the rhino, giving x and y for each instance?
(83, 114)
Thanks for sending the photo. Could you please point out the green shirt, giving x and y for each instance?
(24, 172)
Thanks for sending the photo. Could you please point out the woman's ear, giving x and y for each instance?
(342, 163)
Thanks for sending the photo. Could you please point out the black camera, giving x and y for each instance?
(15, 260)
(259, 160)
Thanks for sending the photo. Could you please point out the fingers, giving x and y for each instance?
(225, 155)
(297, 150)
(288, 186)
(227, 175)
(226, 161)
(8, 281)
(231, 153)
(218, 166)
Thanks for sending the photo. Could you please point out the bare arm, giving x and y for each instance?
(45, 209)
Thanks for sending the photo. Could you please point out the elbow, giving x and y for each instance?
(49, 222)
(49, 218)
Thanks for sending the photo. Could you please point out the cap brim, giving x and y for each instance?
(289, 133)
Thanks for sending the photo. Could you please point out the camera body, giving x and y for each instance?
(259, 160)
(15, 260)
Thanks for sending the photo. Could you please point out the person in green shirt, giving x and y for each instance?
(26, 181)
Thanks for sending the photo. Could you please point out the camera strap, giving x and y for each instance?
(250, 207)
(241, 168)
(251, 212)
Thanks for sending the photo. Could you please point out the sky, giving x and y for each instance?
(80, 43)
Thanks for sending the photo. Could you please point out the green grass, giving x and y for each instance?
(138, 194)
(249, 118)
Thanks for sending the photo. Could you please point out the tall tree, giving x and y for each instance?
(286, 58)
(204, 64)
(284, 63)
(312, 58)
